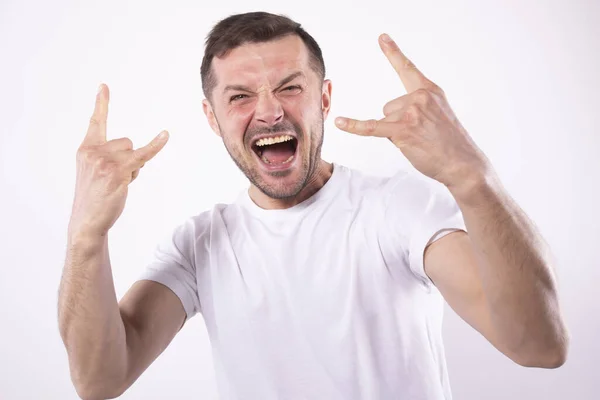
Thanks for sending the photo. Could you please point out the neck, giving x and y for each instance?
(316, 181)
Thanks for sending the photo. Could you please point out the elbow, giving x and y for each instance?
(92, 388)
(549, 357)
(557, 360)
(96, 392)
(550, 360)
(88, 393)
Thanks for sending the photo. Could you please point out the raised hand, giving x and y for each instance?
(423, 126)
(104, 171)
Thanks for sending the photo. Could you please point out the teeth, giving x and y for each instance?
(273, 140)
(285, 162)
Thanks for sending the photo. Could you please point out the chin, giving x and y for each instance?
(278, 164)
(283, 183)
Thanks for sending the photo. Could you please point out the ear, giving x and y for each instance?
(210, 116)
(326, 98)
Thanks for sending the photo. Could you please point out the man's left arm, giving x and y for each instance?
(498, 277)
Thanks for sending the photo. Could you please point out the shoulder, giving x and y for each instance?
(402, 180)
(191, 229)
(190, 238)
(364, 182)
(403, 186)
(409, 200)
(414, 191)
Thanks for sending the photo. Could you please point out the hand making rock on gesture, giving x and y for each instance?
(423, 126)
(104, 171)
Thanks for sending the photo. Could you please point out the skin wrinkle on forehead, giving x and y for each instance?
(251, 67)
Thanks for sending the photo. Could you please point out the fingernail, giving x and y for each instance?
(99, 89)
(341, 122)
(162, 135)
(386, 38)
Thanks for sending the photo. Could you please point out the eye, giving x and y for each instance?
(237, 97)
(290, 88)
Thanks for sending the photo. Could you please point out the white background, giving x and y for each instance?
(523, 77)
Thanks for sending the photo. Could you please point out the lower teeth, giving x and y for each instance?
(285, 162)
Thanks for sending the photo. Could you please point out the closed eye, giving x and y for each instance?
(237, 97)
(292, 87)
(241, 96)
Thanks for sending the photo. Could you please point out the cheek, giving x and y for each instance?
(311, 116)
(241, 110)
(302, 109)
(235, 122)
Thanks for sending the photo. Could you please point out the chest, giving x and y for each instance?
(324, 271)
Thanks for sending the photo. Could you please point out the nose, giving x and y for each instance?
(268, 109)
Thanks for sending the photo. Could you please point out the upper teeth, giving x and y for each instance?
(273, 140)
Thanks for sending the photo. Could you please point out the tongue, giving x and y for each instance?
(278, 153)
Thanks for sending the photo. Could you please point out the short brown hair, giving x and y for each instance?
(253, 27)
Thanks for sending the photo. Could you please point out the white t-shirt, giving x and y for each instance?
(324, 300)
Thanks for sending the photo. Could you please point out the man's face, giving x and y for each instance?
(269, 106)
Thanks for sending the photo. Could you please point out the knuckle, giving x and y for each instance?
(119, 144)
(371, 125)
(388, 108)
(412, 116)
(139, 157)
(127, 143)
(408, 64)
(351, 124)
(105, 165)
(85, 154)
(435, 89)
(423, 96)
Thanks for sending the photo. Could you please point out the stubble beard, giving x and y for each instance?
(308, 165)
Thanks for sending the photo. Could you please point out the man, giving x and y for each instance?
(319, 282)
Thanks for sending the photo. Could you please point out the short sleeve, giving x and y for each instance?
(418, 211)
(173, 265)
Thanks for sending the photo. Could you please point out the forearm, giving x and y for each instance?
(515, 266)
(89, 319)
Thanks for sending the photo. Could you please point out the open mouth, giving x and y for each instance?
(276, 150)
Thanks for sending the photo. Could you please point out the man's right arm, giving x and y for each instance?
(110, 343)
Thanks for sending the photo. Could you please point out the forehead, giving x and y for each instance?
(265, 62)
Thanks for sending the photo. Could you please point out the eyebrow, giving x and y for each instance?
(285, 80)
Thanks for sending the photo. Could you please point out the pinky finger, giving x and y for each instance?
(371, 127)
(146, 153)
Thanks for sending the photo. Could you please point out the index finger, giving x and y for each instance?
(96, 133)
(411, 77)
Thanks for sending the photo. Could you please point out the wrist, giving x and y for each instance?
(85, 241)
(475, 188)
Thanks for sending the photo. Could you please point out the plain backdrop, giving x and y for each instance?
(523, 78)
